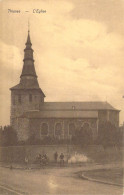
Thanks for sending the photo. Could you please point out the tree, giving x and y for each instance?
(107, 134)
(83, 136)
(8, 136)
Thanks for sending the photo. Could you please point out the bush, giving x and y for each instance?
(46, 140)
(109, 135)
(8, 136)
(82, 138)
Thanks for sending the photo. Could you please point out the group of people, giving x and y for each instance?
(43, 159)
(61, 158)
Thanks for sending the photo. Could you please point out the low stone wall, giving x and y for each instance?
(18, 153)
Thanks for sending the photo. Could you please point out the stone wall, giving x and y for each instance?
(18, 108)
(114, 117)
(35, 126)
(18, 153)
(93, 152)
(23, 131)
(102, 116)
(27, 127)
(109, 115)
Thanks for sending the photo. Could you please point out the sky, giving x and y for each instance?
(78, 50)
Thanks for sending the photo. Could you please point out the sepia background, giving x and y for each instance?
(78, 50)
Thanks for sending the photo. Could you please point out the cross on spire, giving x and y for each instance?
(28, 43)
(28, 26)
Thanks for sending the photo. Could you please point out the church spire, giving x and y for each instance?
(28, 78)
(28, 67)
(27, 94)
(28, 39)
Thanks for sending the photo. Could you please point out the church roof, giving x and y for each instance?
(28, 70)
(28, 67)
(77, 106)
(69, 110)
(27, 86)
(28, 78)
(60, 114)
(28, 39)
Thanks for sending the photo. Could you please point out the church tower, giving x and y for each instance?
(27, 95)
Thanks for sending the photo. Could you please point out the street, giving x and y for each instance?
(51, 181)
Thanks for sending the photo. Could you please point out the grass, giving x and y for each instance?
(114, 175)
(106, 156)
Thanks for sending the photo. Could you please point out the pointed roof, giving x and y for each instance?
(28, 40)
(28, 70)
(28, 67)
(27, 86)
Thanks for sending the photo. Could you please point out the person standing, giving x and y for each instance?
(61, 159)
(55, 157)
(26, 162)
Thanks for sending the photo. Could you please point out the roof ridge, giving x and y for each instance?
(85, 105)
(76, 102)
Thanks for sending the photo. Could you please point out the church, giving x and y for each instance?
(32, 116)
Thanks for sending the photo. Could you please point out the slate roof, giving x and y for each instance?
(24, 86)
(69, 110)
(77, 106)
(27, 87)
(28, 70)
(60, 114)
(28, 39)
(32, 84)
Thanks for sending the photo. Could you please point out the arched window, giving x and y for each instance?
(71, 129)
(85, 129)
(58, 129)
(44, 129)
